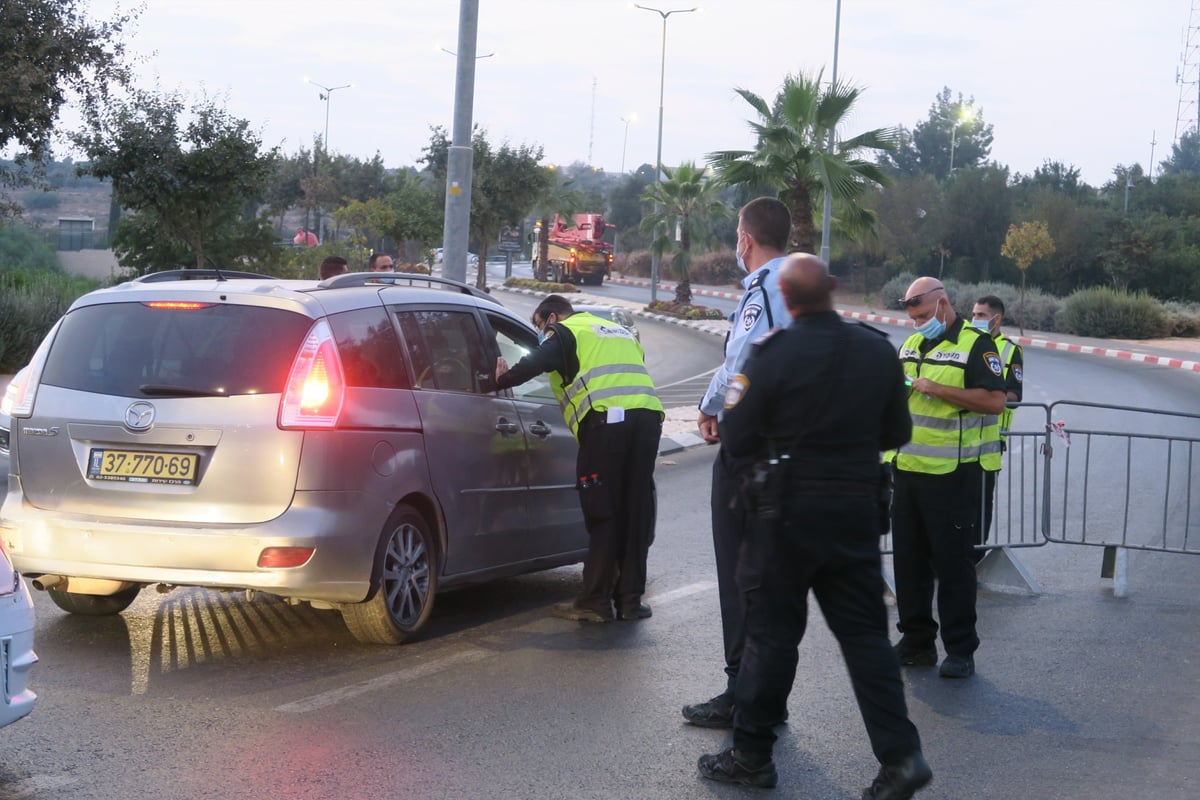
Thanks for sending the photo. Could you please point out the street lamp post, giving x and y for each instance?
(963, 116)
(325, 95)
(662, 75)
(827, 211)
(328, 91)
(625, 143)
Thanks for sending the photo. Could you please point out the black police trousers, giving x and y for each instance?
(935, 522)
(619, 506)
(828, 543)
(730, 524)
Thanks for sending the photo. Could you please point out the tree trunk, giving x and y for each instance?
(804, 233)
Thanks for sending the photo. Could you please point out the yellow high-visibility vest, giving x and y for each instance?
(612, 371)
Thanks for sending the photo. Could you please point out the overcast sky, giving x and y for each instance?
(1090, 84)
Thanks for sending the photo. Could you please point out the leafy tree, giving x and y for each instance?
(285, 187)
(368, 222)
(50, 51)
(505, 184)
(1185, 155)
(22, 249)
(193, 177)
(926, 149)
(1024, 244)
(975, 214)
(625, 206)
(790, 158)
(418, 213)
(687, 202)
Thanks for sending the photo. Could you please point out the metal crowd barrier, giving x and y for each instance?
(1116, 477)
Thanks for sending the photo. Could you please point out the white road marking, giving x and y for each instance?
(682, 592)
(335, 696)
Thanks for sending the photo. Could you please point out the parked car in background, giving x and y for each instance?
(358, 458)
(16, 616)
(619, 315)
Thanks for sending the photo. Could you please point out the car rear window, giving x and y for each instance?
(132, 349)
(369, 349)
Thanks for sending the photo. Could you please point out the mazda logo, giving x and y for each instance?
(139, 416)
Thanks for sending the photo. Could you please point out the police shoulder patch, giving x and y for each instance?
(994, 363)
(736, 391)
(1016, 371)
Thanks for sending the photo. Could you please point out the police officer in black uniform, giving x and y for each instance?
(815, 405)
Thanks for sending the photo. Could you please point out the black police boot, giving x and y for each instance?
(714, 713)
(899, 781)
(730, 766)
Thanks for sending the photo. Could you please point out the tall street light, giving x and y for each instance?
(654, 256)
(827, 211)
(962, 116)
(329, 90)
(625, 143)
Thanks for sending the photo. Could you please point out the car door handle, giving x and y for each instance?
(504, 426)
(540, 429)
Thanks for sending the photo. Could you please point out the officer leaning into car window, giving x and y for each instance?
(598, 373)
(813, 407)
(956, 398)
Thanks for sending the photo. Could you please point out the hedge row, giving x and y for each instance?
(1099, 311)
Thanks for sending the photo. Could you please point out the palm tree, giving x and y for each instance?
(685, 200)
(790, 155)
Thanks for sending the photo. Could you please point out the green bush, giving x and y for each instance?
(1183, 318)
(636, 264)
(40, 201)
(22, 248)
(30, 303)
(716, 269)
(1103, 312)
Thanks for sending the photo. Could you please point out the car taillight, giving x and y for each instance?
(316, 386)
(22, 390)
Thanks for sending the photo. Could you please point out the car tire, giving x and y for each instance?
(404, 583)
(94, 605)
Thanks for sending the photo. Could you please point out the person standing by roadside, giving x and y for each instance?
(987, 315)
(598, 373)
(815, 405)
(380, 262)
(764, 225)
(332, 265)
(956, 397)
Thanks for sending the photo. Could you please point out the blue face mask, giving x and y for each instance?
(984, 325)
(541, 335)
(741, 262)
(933, 327)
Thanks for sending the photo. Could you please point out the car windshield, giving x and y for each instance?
(185, 349)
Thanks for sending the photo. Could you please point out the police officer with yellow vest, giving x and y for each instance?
(986, 315)
(598, 373)
(956, 397)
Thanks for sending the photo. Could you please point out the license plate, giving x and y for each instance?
(134, 466)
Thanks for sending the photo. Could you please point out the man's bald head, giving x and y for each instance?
(925, 296)
(806, 284)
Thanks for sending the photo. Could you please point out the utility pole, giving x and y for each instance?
(456, 229)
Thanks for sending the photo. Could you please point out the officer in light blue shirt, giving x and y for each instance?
(764, 225)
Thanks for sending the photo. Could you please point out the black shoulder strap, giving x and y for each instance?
(760, 277)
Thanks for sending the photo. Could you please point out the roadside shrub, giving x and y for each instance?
(541, 286)
(1103, 312)
(21, 247)
(894, 288)
(718, 268)
(40, 201)
(1183, 318)
(637, 265)
(413, 269)
(30, 303)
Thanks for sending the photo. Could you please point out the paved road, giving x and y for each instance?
(198, 694)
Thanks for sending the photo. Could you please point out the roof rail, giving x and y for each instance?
(394, 278)
(198, 274)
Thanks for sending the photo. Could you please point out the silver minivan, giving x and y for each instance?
(340, 443)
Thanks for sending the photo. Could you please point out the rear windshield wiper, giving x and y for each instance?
(160, 390)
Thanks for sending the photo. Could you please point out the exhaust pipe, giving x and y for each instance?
(44, 582)
(64, 583)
